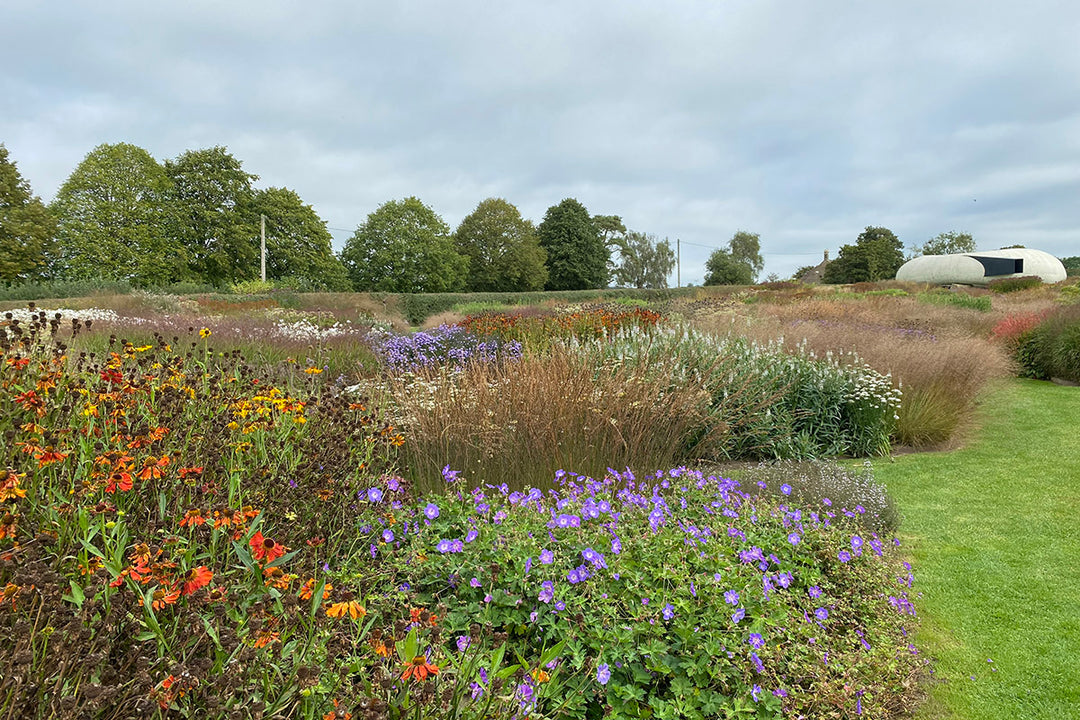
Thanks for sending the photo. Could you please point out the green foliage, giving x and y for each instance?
(766, 403)
(1071, 263)
(1014, 284)
(948, 243)
(876, 255)
(723, 269)
(404, 247)
(956, 299)
(298, 245)
(657, 616)
(1052, 349)
(503, 249)
(213, 220)
(577, 258)
(114, 215)
(745, 247)
(64, 289)
(644, 261)
(26, 226)
(610, 227)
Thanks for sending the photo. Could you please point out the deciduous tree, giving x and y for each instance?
(502, 247)
(114, 214)
(404, 246)
(577, 258)
(876, 255)
(26, 226)
(298, 245)
(723, 269)
(644, 261)
(948, 243)
(745, 247)
(214, 221)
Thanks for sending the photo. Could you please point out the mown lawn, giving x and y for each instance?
(994, 529)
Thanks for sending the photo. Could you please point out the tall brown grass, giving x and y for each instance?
(941, 357)
(520, 422)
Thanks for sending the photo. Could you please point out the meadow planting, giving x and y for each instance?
(228, 508)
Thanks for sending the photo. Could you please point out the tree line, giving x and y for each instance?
(122, 215)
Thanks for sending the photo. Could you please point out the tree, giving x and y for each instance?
(577, 258)
(404, 246)
(745, 247)
(876, 255)
(610, 228)
(723, 269)
(644, 262)
(213, 220)
(113, 214)
(1071, 263)
(26, 226)
(948, 243)
(298, 245)
(502, 247)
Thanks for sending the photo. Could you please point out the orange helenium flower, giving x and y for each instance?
(349, 607)
(192, 518)
(198, 578)
(119, 481)
(308, 590)
(265, 549)
(419, 668)
(163, 597)
(152, 469)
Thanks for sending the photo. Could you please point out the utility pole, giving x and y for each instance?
(262, 247)
(678, 262)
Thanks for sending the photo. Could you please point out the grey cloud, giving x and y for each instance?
(804, 122)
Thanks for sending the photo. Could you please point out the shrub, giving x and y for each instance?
(1012, 327)
(63, 289)
(1014, 284)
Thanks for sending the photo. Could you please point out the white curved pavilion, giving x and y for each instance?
(979, 268)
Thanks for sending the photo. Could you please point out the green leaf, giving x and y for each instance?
(77, 596)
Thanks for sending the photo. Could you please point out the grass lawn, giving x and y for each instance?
(994, 529)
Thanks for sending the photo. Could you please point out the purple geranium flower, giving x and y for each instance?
(603, 673)
(738, 615)
(731, 597)
(669, 611)
(756, 641)
(821, 614)
(431, 511)
(388, 535)
(374, 495)
(547, 557)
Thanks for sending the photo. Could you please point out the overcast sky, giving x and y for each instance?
(801, 121)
